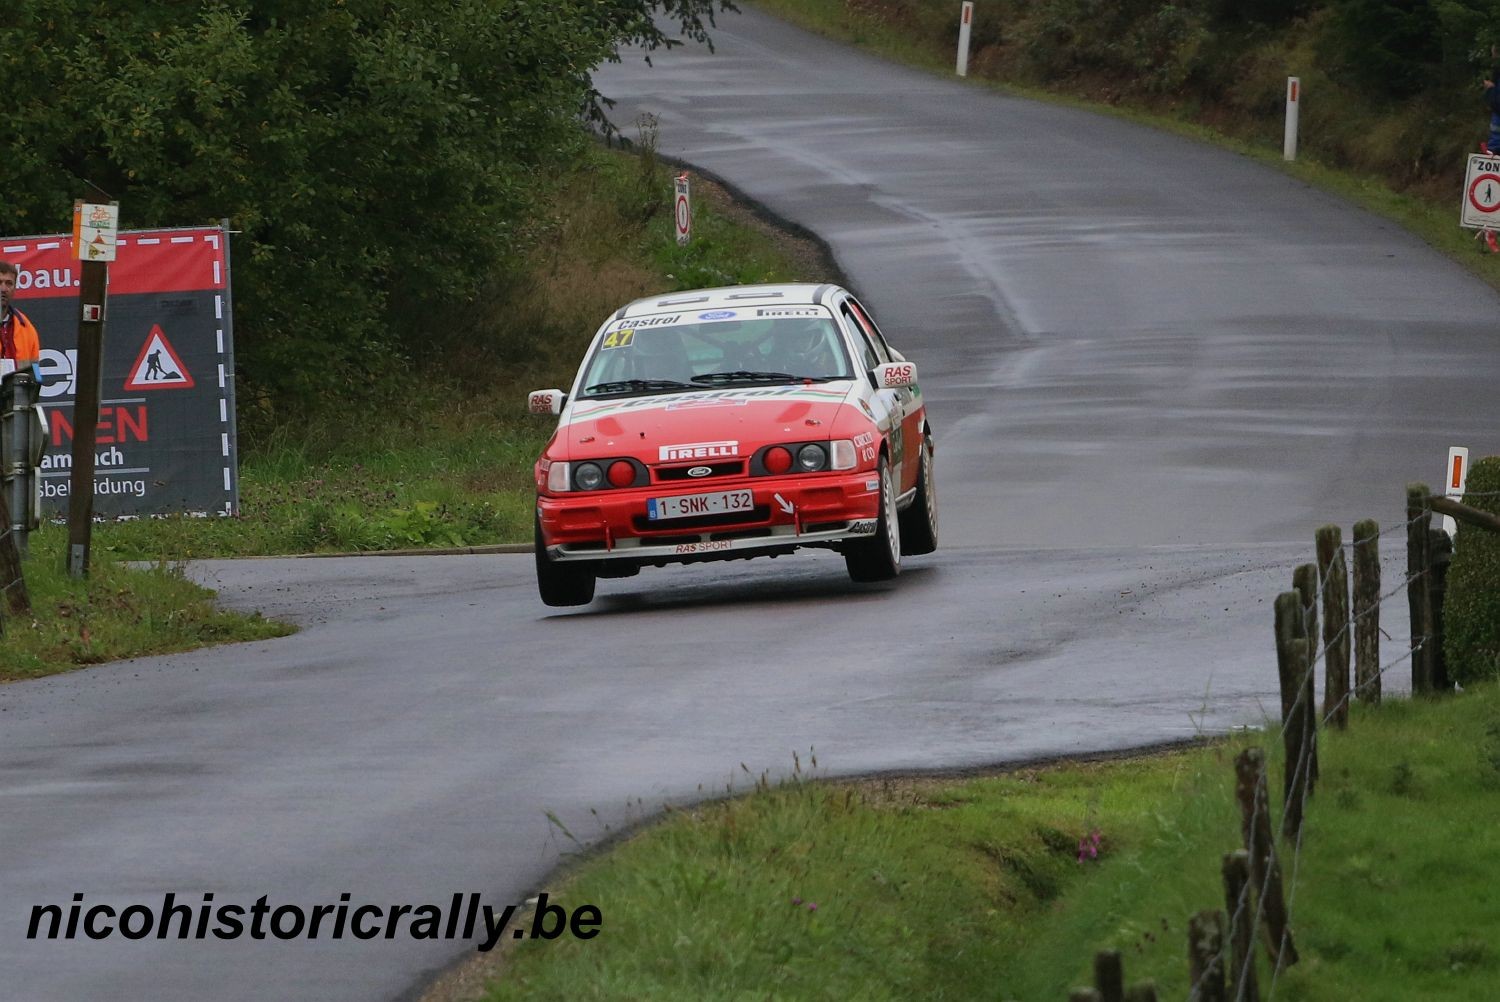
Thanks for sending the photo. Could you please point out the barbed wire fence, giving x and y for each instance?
(1221, 951)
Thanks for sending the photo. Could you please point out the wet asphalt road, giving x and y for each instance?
(1153, 367)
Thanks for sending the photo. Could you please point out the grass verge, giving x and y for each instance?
(1429, 210)
(117, 612)
(976, 888)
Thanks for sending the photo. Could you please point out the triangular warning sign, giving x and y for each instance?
(157, 367)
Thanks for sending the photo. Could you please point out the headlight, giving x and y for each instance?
(843, 454)
(557, 477)
(588, 476)
(811, 458)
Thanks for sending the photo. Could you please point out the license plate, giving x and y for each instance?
(689, 505)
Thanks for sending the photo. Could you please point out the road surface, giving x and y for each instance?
(1153, 367)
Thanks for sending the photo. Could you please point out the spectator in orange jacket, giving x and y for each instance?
(18, 340)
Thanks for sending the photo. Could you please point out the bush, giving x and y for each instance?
(1471, 616)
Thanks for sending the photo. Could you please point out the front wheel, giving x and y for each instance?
(919, 523)
(878, 558)
(561, 583)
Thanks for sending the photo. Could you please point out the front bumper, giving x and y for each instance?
(610, 525)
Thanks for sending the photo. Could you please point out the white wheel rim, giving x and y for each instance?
(929, 490)
(892, 523)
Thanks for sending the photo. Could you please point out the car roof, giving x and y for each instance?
(792, 294)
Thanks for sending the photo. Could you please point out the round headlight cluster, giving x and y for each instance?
(587, 476)
(812, 458)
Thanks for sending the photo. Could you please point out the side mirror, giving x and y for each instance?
(894, 375)
(545, 401)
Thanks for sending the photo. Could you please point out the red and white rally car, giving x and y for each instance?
(729, 423)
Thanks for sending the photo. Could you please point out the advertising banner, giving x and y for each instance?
(166, 438)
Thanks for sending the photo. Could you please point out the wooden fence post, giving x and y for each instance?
(1142, 991)
(1206, 956)
(1335, 624)
(1305, 580)
(1335, 578)
(1240, 906)
(1418, 521)
(1265, 870)
(1292, 666)
(1083, 995)
(1109, 976)
(1439, 556)
(1367, 610)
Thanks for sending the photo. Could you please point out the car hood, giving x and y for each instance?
(712, 424)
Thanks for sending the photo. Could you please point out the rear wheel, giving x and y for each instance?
(561, 583)
(919, 524)
(878, 558)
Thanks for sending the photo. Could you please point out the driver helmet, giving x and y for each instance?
(802, 339)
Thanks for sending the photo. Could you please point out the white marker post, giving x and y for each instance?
(1453, 487)
(1293, 95)
(682, 211)
(965, 20)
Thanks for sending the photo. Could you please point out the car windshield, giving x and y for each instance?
(646, 356)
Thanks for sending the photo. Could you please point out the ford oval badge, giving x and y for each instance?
(700, 471)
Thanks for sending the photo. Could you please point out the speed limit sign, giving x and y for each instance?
(682, 210)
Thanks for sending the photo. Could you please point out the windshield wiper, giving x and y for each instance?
(627, 385)
(750, 376)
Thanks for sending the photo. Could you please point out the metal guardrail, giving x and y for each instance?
(23, 436)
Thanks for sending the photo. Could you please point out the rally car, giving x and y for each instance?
(729, 423)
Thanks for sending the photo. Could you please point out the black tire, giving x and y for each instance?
(919, 522)
(879, 557)
(562, 583)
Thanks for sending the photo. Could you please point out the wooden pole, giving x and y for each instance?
(1439, 556)
(1239, 904)
(91, 294)
(1463, 513)
(1367, 610)
(1109, 976)
(1291, 664)
(1335, 578)
(1418, 521)
(1305, 580)
(1142, 991)
(1206, 957)
(1265, 871)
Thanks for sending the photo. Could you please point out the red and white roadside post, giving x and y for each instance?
(965, 21)
(1293, 97)
(1454, 483)
(682, 210)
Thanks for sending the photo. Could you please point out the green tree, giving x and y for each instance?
(377, 158)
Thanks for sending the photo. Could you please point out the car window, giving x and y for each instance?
(881, 346)
(647, 349)
(868, 348)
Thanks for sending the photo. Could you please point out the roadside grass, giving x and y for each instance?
(117, 612)
(1360, 135)
(451, 464)
(974, 888)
